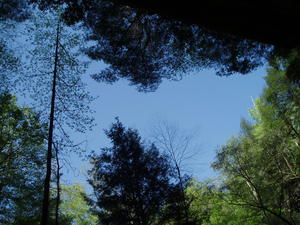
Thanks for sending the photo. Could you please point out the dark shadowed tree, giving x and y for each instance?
(131, 181)
(17, 10)
(146, 48)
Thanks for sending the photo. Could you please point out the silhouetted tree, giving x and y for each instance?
(131, 181)
(146, 48)
(14, 9)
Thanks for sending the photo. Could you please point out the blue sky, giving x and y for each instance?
(209, 104)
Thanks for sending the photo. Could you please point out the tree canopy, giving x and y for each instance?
(17, 10)
(146, 48)
(22, 166)
(135, 182)
(74, 206)
(261, 166)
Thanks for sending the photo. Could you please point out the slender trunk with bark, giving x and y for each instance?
(45, 207)
(57, 188)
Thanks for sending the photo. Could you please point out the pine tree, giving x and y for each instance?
(131, 181)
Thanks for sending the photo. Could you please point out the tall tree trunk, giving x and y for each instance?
(45, 208)
(57, 188)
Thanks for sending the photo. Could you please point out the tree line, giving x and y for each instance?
(134, 182)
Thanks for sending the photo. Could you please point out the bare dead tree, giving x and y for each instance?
(178, 145)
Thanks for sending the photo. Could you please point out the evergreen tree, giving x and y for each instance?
(131, 181)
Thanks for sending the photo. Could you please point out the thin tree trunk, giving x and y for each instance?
(45, 208)
(57, 187)
(185, 205)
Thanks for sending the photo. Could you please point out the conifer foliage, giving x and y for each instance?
(131, 181)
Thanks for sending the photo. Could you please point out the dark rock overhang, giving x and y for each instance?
(269, 21)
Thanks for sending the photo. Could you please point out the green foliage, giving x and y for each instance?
(21, 162)
(22, 165)
(134, 183)
(212, 206)
(262, 165)
(74, 206)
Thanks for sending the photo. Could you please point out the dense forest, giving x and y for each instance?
(46, 49)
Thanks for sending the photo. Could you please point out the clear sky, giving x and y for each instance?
(202, 101)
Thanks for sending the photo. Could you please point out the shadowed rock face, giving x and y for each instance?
(269, 21)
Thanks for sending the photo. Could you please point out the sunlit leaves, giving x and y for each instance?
(21, 161)
(262, 164)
